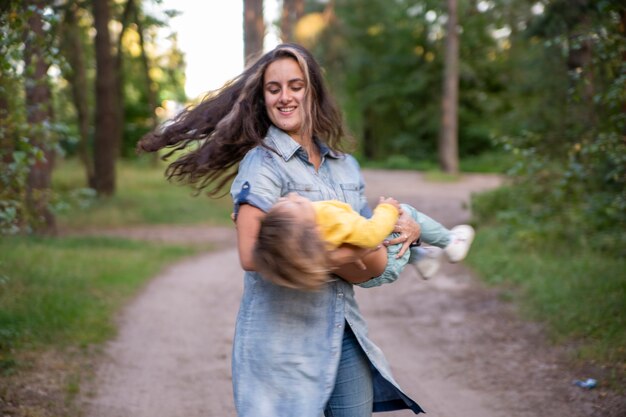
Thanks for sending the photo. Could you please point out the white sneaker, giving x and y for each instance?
(427, 260)
(462, 238)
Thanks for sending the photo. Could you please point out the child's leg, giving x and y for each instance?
(433, 232)
(455, 242)
(393, 266)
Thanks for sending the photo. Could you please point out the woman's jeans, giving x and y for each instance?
(353, 395)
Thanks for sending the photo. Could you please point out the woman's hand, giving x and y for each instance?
(409, 232)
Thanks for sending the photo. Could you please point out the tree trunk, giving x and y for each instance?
(77, 78)
(8, 182)
(253, 29)
(293, 10)
(150, 90)
(38, 114)
(7, 144)
(130, 11)
(108, 132)
(448, 137)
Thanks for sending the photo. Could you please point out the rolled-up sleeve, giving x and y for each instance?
(256, 183)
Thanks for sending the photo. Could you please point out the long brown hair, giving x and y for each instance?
(229, 122)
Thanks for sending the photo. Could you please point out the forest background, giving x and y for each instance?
(541, 100)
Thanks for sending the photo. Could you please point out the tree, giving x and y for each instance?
(253, 29)
(39, 114)
(293, 10)
(76, 75)
(107, 130)
(567, 127)
(448, 136)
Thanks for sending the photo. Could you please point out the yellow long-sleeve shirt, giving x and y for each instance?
(339, 223)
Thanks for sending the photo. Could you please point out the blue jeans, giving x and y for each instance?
(353, 395)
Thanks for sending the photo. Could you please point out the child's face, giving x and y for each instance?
(299, 207)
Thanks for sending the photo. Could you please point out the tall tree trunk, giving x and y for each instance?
(130, 12)
(38, 113)
(9, 188)
(448, 136)
(108, 132)
(293, 10)
(253, 30)
(77, 78)
(150, 88)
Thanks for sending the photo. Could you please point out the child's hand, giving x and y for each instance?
(392, 201)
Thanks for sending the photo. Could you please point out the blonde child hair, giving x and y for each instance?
(290, 252)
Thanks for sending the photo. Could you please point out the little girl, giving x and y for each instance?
(296, 235)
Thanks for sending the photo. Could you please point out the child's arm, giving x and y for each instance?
(371, 265)
(373, 231)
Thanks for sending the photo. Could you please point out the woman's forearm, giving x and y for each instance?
(248, 224)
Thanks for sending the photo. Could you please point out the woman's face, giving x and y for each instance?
(284, 89)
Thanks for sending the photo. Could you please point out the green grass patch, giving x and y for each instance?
(143, 196)
(487, 162)
(65, 292)
(580, 294)
(440, 176)
(399, 162)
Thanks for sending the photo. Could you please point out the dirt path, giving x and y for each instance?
(453, 345)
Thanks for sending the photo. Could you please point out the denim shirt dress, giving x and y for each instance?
(287, 342)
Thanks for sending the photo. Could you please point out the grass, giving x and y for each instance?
(579, 294)
(143, 196)
(487, 162)
(65, 292)
(60, 295)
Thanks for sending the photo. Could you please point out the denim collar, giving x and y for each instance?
(286, 147)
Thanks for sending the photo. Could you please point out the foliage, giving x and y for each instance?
(385, 61)
(22, 144)
(165, 78)
(570, 175)
(578, 293)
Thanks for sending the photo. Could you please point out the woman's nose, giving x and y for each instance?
(285, 96)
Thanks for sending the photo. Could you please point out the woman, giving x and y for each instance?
(295, 353)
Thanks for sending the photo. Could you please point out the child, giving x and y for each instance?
(296, 233)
